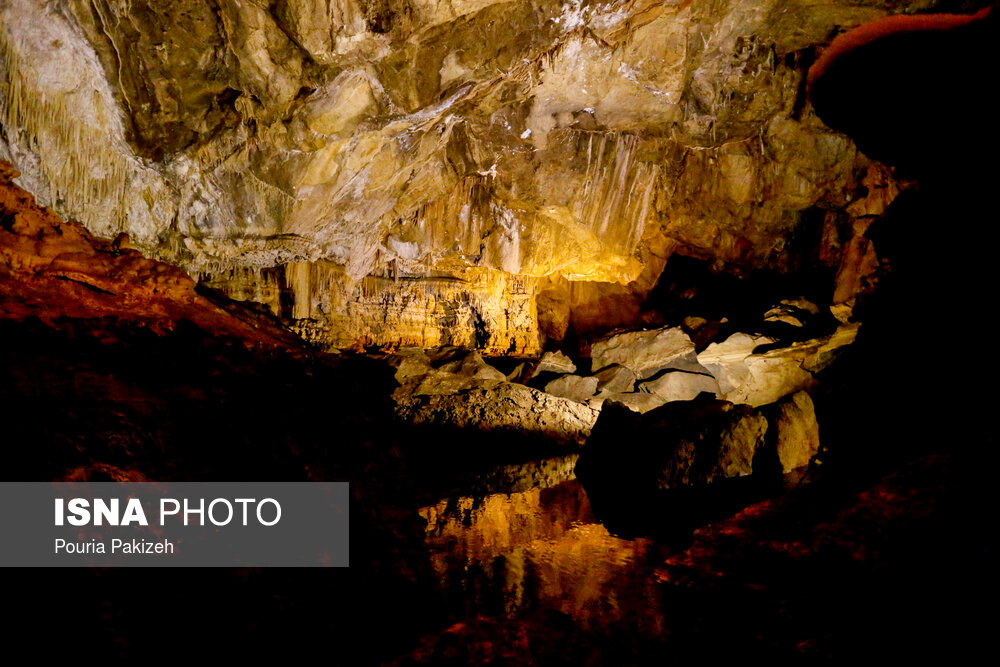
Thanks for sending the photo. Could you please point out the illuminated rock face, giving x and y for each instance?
(415, 173)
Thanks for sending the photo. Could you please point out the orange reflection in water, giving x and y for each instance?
(542, 548)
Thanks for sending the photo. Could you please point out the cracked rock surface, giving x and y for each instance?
(406, 172)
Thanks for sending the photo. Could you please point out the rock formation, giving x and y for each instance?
(405, 173)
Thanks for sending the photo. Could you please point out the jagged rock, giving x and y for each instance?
(460, 370)
(553, 362)
(798, 432)
(504, 407)
(842, 312)
(410, 362)
(615, 379)
(758, 379)
(573, 387)
(640, 402)
(677, 385)
(784, 314)
(801, 304)
(645, 352)
(858, 271)
(472, 365)
(693, 322)
(539, 373)
(727, 360)
(395, 174)
(53, 270)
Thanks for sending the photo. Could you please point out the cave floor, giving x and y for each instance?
(465, 556)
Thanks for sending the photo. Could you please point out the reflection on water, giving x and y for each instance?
(505, 554)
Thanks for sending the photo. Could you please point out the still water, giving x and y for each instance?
(503, 555)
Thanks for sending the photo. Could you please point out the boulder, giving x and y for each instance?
(615, 379)
(794, 312)
(541, 372)
(676, 385)
(640, 402)
(726, 361)
(693, 322)
(472, 365)
(696, 443)
(785, 315)
(764, 377)
(410, 363)
(504, 407)
(645, 352)
(680, 444)
(798, 432)
(460, 370)
(554, 362)
(573, 387)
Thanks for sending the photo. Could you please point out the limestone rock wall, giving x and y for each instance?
(386, 172)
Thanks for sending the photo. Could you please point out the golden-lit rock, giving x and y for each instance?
(503, 408)
(757, 378)
(398, 173)
(798, 432)
(645, 352)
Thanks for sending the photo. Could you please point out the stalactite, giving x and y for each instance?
(88, 168)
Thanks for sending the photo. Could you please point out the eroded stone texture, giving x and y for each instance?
(645, 352)
(410, 173)
(506, 407)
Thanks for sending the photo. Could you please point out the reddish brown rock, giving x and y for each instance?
(53, 269)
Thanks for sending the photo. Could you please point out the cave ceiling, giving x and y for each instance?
(414, 172)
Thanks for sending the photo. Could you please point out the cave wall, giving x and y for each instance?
(386, 172)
